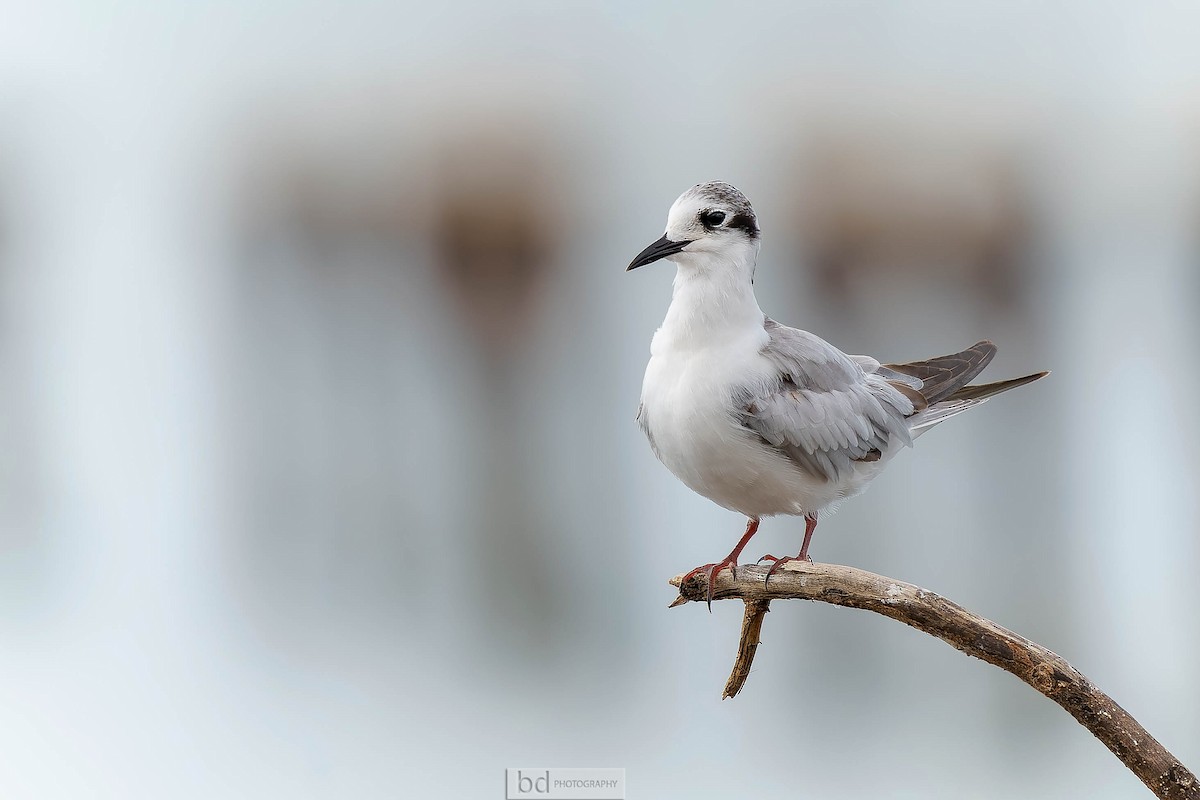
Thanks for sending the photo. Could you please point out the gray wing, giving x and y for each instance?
(827, 410)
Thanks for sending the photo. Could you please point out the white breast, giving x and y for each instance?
(688, 415)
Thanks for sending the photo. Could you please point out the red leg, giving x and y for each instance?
(810, 525)
(729, 561)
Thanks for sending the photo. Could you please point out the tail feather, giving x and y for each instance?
(923, 421)
(984, 390)
(964, 398)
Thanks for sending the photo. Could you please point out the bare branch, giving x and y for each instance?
(748, 642)
(953, 624)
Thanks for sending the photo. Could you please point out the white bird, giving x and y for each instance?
(764, 419)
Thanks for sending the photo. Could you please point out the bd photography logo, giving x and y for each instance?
(542, 783)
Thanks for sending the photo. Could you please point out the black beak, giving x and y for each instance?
(661, 249)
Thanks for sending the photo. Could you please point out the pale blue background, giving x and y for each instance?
(277, 521)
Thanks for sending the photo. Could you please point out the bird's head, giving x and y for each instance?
(710, 226)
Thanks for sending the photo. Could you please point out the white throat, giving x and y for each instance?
(712, 303)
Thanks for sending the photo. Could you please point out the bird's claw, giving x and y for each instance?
(778, 562)
(710, 571)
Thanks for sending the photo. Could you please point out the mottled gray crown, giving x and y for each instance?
(726, 197)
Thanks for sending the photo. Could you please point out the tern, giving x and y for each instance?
(764, 419)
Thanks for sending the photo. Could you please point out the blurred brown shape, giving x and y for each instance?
(481, 192)
(934, 205)
(495, 232)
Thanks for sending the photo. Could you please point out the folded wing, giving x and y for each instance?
(827, 410)
(824, 411)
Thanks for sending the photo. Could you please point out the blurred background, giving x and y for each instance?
(319, 475)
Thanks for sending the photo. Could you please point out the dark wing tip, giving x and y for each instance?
(944, 375)
(986, 351)
(980, 391)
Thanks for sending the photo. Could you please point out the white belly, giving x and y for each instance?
(689, 418)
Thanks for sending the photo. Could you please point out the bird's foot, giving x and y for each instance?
(710, 571)
(778, 562)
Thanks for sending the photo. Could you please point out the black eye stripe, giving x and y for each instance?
(746, 223)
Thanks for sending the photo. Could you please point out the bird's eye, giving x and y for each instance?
(711, 219)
